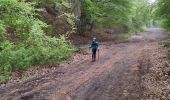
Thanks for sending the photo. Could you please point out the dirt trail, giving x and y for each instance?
(116, 76)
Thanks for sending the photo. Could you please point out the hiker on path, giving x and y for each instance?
(94, 46)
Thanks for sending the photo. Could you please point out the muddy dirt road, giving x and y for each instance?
(115, 76)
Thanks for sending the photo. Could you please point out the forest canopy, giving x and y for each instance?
(130, 14)
(162, 13)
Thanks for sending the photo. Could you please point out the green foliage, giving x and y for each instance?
(168, 55)
(42, 50)
(91, 10)
(70, 18)
(141, 15)
(162, 13)
(3, 78)
(116, 13)
(166, 44)
(130, 14)
(32, 45)
(90, 13)
(64, 15)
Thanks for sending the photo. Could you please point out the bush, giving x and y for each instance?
(168, 55)
(52, 50)
(165, 43)
(40, 49)
(162, 13)
(33, 46)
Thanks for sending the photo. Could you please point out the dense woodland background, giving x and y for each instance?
(36, 32)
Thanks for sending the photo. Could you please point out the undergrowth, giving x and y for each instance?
(23, 41)
(166, 43)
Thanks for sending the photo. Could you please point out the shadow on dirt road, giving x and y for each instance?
(116, 76)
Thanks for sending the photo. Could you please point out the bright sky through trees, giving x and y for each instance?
(152, 1)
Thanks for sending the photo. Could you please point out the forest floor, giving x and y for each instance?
(133, 70)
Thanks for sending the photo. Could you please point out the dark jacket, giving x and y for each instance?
(94, 45)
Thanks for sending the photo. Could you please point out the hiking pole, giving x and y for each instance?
(98, 54)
